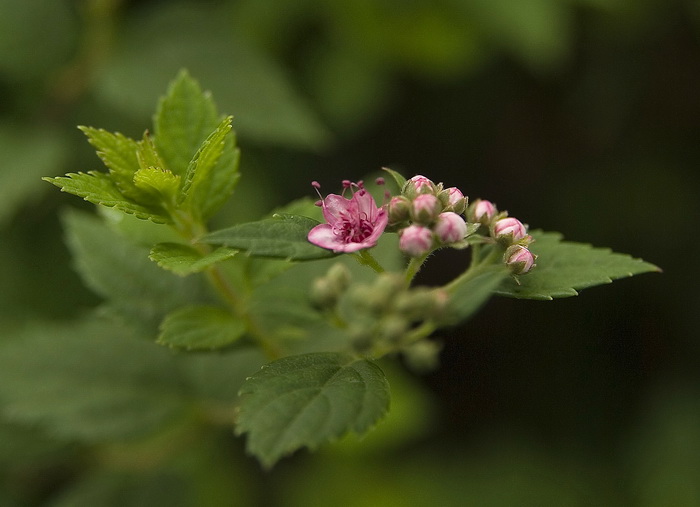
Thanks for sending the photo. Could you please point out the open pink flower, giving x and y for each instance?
(353, 224)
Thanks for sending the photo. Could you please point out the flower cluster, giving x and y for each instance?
(428, 216)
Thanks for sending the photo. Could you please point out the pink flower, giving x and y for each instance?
(353, 224)
(416, 240)
(450, 227)
(519, 259)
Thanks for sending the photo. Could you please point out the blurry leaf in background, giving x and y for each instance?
(36, 37)
(122, 273)
(27, 155)
(201, 38)
(121, 489)
(89, 381)
(539, 32)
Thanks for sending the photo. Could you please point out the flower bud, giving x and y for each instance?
(423, 355)
(425, 208)
(339, 276)
(481, 211)
(416, 240)
(450, 228)
(418, 185)
(453, 200)
(519, 259)
(399, 209)
(508, 230)
(323, 294)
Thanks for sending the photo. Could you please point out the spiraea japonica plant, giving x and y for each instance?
(308, 298)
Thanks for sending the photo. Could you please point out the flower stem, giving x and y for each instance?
(413, 267)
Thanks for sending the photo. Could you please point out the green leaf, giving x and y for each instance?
(184, 259)
(564, 266)
(99, 188)
(119, 153)
(121, 272)
(184, 119)
(200, 327)
(398, 178)
(203, 162)
(158, 186)
(310, 399)
(91, 381)
(284, 236)
(214, 191)
(469, 293)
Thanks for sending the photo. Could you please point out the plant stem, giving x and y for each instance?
(191, 229)
(413, 267)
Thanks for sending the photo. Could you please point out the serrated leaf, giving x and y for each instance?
(147, 155)
(307, 400)
(91, 381)
(119, 154)
(215, 190)
(184, 119)
(282, 237)
(99, 188)
(184, 259)
(200, 327)
(158, 186)
(203, 162)
(563, 267)
(468, 294)
(121, 272)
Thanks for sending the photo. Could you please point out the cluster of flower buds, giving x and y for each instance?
(428, 216)
(507, 231)
(380, 313)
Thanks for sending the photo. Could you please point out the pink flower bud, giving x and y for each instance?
(482, 211)
(416, 240)
(455, 200)
(450, 228)
(426, 208)
(509, 230)
(418, 185)
(399, 209)
(519, 259)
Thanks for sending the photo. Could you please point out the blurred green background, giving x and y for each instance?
(581, 116)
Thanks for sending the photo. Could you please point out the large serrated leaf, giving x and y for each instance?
(200, 327)
(310, 399)
(283, 237)
(184, 260)
(184, 119)
(99, 188)
(563, 267)
(90, 381)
